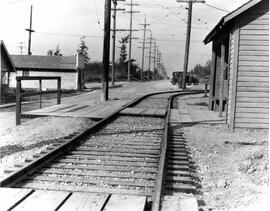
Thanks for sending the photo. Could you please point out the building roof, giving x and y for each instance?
(4, 50)
(228, 18)
(44, 62)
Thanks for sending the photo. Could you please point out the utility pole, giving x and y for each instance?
(150, 49)
(114, 38)
(21, 46)
(143, 48)
(106, 50)
(155, 52)
(130, 34)
(158, 60)
(30, 30)
(190, 2)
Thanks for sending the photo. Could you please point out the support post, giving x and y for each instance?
(18, 102)
(144, 31)
(59, 93)
(130, 39)
(150, 53)
(221, 88)
(30, 30)
(155, 52)
(114, 38)
(212, 79)
(187, 46)
(106, 51)
(40, 97)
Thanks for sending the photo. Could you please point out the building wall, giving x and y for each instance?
(68, 80)
(252, 86)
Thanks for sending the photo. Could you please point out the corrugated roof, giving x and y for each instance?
(3, 48)
(225, 19)
(44, 62)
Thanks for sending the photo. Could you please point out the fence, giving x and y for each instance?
(20, 94)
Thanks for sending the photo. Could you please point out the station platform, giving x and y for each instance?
(94, 111)
(80, 109)
(190, 113)
(28, 199)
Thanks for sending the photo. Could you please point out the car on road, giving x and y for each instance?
(190, 79)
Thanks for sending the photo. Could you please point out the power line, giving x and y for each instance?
(95, 5)
(217, 8)
(9, 3)
(65, 34)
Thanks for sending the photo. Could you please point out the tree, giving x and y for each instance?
(54, 53)
(202, 71)
(83, 50)
(123, 50)
(49, 52)
(57, 51)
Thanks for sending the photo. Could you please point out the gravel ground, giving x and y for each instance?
(18, 143)
(233, 165)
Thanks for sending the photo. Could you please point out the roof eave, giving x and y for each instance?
(9, 57)
(227, 18)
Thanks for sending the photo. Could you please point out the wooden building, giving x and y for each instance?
(69, 68)
(6, 68)
(239, 82)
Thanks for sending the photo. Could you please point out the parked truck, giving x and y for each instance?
(178, 76)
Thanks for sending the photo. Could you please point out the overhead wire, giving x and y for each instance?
(95, 5)
(217, 8)
(10, 2)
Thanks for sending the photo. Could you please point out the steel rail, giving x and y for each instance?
(157, 196)
(22, 173)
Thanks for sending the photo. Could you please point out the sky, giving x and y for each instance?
(63, 22)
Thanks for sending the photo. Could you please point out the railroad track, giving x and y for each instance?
(136, 154)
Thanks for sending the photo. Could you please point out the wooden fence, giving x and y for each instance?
(20, 94)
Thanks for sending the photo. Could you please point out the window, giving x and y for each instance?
(4, 77)
(25, 73)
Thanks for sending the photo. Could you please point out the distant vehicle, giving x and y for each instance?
(190, 79)
(176, 76)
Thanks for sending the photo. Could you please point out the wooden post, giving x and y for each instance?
(150, 53)
(234, 76)
(130, 39)
(144, 31)
(40, 89)
(187, 46)
(59, 93)
(18, 102)
(212, 77)
(114, 38)
(0, 77)
(221, 83)
(106, 50)
(205, 89)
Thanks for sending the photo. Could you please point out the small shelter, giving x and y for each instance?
(69, 68)
(239, 81)
(6, 68)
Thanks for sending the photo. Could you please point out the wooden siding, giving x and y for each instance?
(68, 80)
(252, 94)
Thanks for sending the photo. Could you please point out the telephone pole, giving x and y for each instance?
(30, 30)
(143, 48)
(21, 46)
(155, 52)
(106, 51)
(114, 38)
(150, 49)
(190, 2)
(130, 34)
